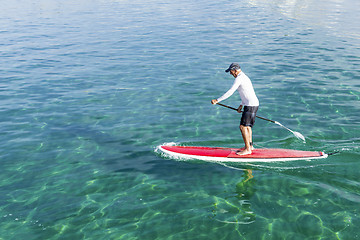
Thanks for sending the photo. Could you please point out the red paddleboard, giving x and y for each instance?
(229, 154)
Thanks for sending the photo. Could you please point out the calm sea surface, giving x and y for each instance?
(89, 89)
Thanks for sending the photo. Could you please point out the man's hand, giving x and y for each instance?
(239, 108)
(214, 101)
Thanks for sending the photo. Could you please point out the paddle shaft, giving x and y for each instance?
(236, 110)
(297, 134)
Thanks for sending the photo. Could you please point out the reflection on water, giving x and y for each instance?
(340, 16)
(236, 208)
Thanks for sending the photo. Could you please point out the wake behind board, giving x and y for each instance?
(220, 154)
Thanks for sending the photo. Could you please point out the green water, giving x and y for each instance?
(90, 89)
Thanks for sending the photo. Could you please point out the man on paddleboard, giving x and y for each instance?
(248, 99)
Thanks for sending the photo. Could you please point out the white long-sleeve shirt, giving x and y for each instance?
(246, 90)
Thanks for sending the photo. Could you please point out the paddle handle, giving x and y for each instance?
(236, 110)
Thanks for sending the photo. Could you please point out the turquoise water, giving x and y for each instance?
(90, 89)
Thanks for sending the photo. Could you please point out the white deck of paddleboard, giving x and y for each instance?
(229, 159)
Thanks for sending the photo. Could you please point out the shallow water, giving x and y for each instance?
(90, 89)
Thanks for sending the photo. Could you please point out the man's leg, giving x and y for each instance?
(246, 123)
(251, 141)
(247, 136)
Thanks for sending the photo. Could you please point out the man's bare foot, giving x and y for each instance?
(243, 148)
(244, 152)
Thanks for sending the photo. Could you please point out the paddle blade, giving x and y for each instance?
(297, 134)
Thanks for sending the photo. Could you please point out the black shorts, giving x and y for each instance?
(248, 116)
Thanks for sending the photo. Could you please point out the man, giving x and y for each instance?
(250, 102)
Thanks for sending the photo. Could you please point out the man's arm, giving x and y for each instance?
(230, 92)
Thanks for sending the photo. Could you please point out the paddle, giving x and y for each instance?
(297, 134)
